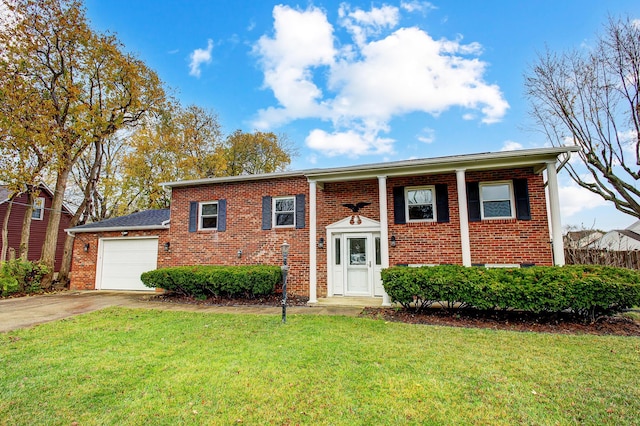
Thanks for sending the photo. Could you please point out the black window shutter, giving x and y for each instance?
(300, 211)
(473, 201)
(266, 212)
(521, 192)
(222, 215)
(442, 202)
(193, 216)
(399, 216)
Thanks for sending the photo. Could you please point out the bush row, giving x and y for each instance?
(20, 276)
(587, 290)
(212, 280)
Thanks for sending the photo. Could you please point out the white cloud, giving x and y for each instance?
(511, 146)
(409, 71)
(386, 73)
(427, 135)
(575, 199)
(362, 24)
(199, 57)
(417, 6)
(628, 139)
(303, 40)
(350, 143)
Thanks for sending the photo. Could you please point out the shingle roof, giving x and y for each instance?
(148, 219)
(4, 194)
(628, 233)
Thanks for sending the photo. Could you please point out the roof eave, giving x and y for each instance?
(482, 161)
(475, 162)
(115, 229)
(225, 179)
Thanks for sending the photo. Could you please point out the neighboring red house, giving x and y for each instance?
(345, 224)
(39, 221)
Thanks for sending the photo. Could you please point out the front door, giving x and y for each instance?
(359, 265)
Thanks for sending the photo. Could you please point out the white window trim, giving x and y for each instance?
(432, 188)
(273, 211)
(200, 228)
(511, 199)
(38, 204)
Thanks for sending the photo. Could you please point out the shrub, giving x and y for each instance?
(201, 281)
(587, 290)
(20, 276)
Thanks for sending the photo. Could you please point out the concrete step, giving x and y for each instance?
(349, 301)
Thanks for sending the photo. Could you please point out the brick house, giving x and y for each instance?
(479, 209)
(39, 222)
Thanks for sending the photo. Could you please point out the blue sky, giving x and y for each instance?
(347, 81)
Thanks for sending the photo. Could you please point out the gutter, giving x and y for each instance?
(73, 231)
(567, 157)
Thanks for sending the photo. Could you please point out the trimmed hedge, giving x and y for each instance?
(201, 281)
(587, 290)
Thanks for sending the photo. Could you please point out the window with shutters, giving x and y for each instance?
(284, 212)
(496, 200)
(420, 204)
(208, 215)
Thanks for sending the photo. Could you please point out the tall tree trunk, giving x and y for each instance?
(25, 234)
(51, 236)
(83, 210)
(5, 229)
(65, 267)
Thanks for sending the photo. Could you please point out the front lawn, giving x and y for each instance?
(126, 366)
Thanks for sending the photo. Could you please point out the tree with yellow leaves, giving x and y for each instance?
(83, 87)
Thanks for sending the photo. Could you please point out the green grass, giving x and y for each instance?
(125, 366)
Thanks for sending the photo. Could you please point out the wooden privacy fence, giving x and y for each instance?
(623, 259)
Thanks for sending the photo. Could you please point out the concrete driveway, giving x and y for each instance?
(28, 311)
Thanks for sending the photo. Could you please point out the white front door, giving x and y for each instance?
(359, 265)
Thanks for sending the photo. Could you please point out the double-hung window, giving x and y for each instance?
(284, 211)
(420, 204)
(496, 200)
(38, 209)
(208, 215)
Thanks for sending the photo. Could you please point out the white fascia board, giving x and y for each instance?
(472, 162)
(72, 231)
(241, 178)
(482, 161)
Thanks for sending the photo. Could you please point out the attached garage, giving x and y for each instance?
(113, 253)
(122, 260)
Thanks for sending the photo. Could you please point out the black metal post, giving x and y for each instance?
(285, 270)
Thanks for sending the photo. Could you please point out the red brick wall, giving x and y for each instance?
(426, 242)
(83, 265)
(492, 241)
(512, 240)
(243, 231)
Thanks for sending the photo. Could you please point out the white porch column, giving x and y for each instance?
(384, 230)
(464, 217)
(554, 207)
(313, 261)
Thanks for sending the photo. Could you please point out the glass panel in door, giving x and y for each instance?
(358, 266)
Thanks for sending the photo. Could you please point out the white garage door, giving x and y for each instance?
(123, 260)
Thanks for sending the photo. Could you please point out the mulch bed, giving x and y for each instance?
(509, 320)
(470, 318)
